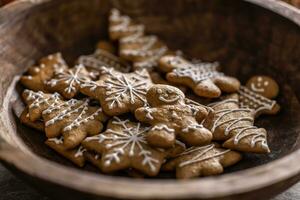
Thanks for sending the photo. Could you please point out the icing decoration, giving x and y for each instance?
(71, 78)
(163, 127)
(39, 98)
(144, 51)
(235, 125)
(197, 72)
(201, 155)
(129, 138)
(102, 58)
(255, 101)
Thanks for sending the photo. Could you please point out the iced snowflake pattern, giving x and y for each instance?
(119, 86)
(131, 137)
(72, 77)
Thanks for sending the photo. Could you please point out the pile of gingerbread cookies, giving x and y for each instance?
(127, 109)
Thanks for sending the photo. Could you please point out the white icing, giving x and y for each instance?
(69, 108)
(119, 86)
(201, 154)
(197, 72)
(236, 123)
(145, 49)
(131, 139)
(79, 152)
(192, 127)
(103, 58)
(71, 77)
(163, 98)
(256, 89)
(259, 102)
(162, 127)
(59, 140)
(40, 98)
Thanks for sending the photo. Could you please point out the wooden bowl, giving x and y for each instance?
(246, 38)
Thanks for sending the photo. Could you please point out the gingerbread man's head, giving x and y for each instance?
(160, 94)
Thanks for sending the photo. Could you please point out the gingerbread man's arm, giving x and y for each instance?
(145, 114)
(203, 112)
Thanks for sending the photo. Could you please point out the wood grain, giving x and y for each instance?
(245, 38)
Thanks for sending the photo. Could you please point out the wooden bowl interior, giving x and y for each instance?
(244, 38)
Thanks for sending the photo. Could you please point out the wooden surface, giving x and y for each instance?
(31, 33)
(12, 188)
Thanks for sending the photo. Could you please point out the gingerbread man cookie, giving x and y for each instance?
(123, 145)
(37, 75)
(171, 117)
(118, 92)
(67, 82)
(203, 79)
(143, 50)
(74, 155)
(235, 125)
(263, 85)
(257, 102)
(202, 161)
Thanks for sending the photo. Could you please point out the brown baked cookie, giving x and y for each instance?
(171, 118)
(143, 50)
(158, 79)
(264, 86)
(93, 157)
(202, 161)
(38, 124)
(37, 102)
(203, 79)
(74, 119)
(67, 82)
(102, 58)
(74, 155)
(118, 92)
(235, 125)
(37, 75)
(257, 102)
(123, 145)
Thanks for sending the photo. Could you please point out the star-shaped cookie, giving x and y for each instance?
(118, 92)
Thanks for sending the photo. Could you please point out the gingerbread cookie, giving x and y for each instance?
(38, 124)
(37, 75)
(202, 161)
(123, 145)
(264, 86)
(67, 82)
(235, 125)
(118, 92)
(74, 155)
(171, 117)
(143, 50)
(260, 104)
(102, 58)
(37, 102)
(74, 119)
(203, 79)
(158, 79)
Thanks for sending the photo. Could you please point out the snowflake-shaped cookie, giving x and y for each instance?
(118, 92)
(203, 78)
(123, 146)
(67, 82)
(202, 161)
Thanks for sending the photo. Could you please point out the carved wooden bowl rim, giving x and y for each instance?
(122, 187)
